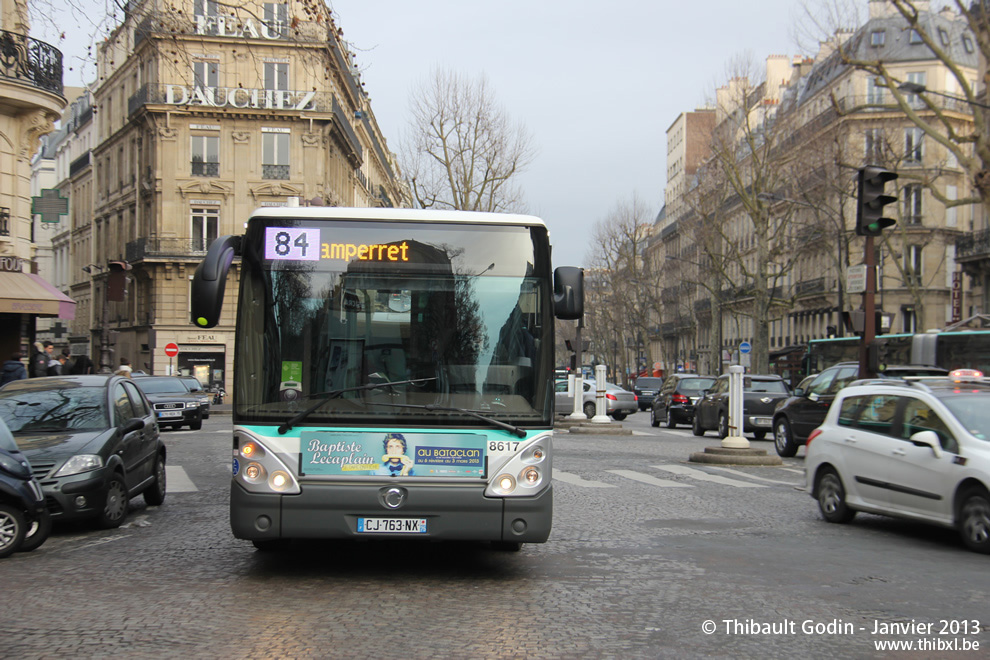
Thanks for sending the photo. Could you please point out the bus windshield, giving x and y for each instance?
(337, 304)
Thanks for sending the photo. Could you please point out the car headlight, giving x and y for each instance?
(80, 463)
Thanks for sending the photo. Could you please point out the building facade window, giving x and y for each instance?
(913, 265)
(276, 15)
(914, 37)
(206, 74)
(919, 78)
(912, 204)
(277, 75)
(877, 38)
(274, 155)
(874, 146)
(205, 150)
(205, 227)
(874, 92)
(914, 141)
(204, 7)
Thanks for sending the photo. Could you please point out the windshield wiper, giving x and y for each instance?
(333, 394)
(515, 430)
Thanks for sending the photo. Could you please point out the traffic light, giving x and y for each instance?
(872, 199)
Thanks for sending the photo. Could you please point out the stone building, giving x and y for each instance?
(31, 98)
(202, 112)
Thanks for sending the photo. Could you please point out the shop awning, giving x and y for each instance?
(24, 293)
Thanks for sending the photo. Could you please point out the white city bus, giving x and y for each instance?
(393, 373)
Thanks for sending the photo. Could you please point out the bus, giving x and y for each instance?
(393, 373)
(956, 349)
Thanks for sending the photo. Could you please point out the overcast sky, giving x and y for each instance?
(596, 84)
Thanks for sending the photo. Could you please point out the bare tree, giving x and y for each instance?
(463, 151)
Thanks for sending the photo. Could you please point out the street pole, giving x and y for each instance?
(105, 366)
(869, 311)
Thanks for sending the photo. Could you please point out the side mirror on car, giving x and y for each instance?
(134, 424)
(928, 439)
(799, 391)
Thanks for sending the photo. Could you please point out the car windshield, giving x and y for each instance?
(59, 409)
(161, 385)
(193, 384)
(972, 409)
(695, 384)
(649, 383)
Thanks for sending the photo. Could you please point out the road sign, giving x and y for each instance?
(171, 350)
(745, 347)
(856, 279)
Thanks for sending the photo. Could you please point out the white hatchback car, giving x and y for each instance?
(917, 449)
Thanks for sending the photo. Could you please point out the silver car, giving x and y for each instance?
(618, 402)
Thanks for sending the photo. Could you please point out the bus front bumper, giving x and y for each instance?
(453, 512)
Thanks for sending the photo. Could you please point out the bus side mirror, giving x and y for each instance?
(568, 292)
(210, 280)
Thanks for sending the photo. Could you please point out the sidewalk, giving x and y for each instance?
(221, 408)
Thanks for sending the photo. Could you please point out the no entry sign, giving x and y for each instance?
(171, 350)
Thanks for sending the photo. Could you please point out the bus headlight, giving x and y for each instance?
(279, 481)
(263, 471)
(526, 474)
(254, 472)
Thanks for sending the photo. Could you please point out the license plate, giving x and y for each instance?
(170, 413)
(762, 421)
(391, 525)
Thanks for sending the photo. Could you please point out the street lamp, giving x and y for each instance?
(917, 88)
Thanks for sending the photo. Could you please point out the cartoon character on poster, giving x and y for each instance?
(395, 462)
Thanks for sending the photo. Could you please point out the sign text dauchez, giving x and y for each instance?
(238, 97)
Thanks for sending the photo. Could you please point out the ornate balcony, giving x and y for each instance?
(164, 248)
(30, 61)
(973, 246)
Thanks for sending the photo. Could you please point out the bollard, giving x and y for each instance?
(600, 407)
(735, 439)
(576, 384)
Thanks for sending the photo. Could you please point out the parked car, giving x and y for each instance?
(204, 397)
(24, 520)
(646, 389)
(916, 449)
(801, 413)
(92, 442)
(172, 401)
(674, 403)
(618, 402)
(760, 397)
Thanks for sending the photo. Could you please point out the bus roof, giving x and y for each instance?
(396, 215)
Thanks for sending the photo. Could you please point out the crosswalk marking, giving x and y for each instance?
(177, 481)
(704, 476)
(647, 479)
(569, 478)
(752, 476)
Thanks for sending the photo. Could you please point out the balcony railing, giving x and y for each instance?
(275, 172)
(200, 168)
(156, 247)
(30, 61)
(973, 245)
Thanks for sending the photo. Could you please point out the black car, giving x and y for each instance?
(646, 389)
(760, 396)
(196, 388)
(174, 404)
(674, 403)
(24, 520)
(92, 442)
(804, 411)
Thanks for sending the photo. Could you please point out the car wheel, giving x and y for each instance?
(589, 410)
(974, 520)
(154, 495)
(783, 439)
(618, 416)
(115, 503)
(696, 426)
(12, 530)
(669, 419)
(38, 529)
(832, 497)
(653, 418)
(723, 425)
(197, 425)
(759, 435)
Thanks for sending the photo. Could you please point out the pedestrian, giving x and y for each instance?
(83, 365)
(13, 369)
(57, 366)
(124, 369)
(39, 361)
(69, 362)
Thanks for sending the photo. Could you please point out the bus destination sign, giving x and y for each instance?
(305, 244)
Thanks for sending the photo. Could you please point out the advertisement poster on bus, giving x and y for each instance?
(379, 453)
